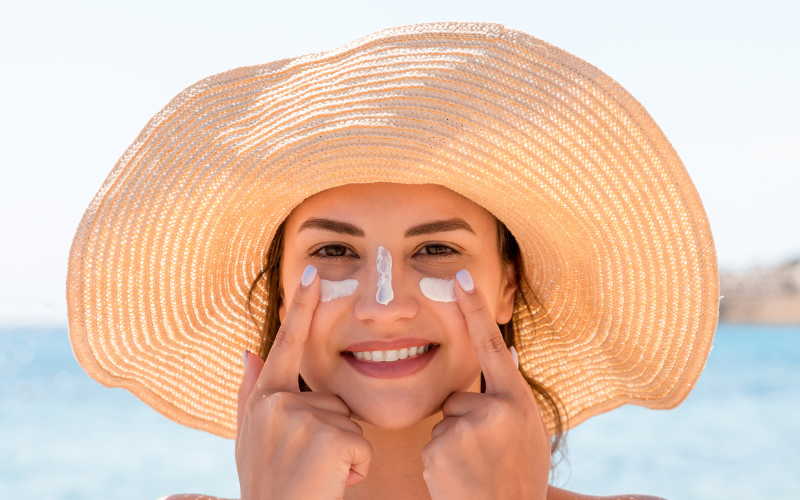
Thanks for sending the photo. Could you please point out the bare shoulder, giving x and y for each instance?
(191, 496)
(554, 493)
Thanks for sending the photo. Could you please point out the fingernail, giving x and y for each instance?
(308, 275)
(465, 280)
(244, 357)
(514, 355)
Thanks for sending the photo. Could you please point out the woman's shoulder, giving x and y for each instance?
(554, 493)
(191, 496)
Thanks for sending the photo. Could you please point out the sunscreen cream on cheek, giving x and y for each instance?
(384, 262)
(438, 290)
(330, 290)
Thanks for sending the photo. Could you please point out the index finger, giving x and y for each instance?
(282, 366)
(499, 369)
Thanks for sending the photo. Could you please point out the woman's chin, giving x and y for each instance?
(393, 415)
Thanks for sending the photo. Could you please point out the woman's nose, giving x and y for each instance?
(386, 298)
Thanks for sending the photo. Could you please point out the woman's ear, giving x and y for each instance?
(508, 292)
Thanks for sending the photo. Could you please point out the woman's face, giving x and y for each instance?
(430, 232)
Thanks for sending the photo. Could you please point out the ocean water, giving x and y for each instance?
(737, 436)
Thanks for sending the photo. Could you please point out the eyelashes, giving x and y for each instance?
(441, 250)
(333, 252)
(430, 251)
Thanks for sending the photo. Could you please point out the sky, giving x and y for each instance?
(80, 79)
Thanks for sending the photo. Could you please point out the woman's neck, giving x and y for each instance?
(395, 471)
(396, 468)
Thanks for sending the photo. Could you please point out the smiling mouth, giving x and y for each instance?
(392, 355)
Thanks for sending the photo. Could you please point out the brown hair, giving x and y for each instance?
(509, 250)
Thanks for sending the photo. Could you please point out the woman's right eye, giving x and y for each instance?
(333, 252)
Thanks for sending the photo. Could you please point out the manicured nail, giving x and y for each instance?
(308, 275)
(514, 355)
(465, 280)
(244, 357)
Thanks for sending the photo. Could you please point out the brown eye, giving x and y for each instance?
(332, 251)
(438, 250)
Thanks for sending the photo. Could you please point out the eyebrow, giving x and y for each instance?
(333, 226)
(439, 226)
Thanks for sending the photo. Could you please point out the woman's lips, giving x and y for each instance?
(391, 369)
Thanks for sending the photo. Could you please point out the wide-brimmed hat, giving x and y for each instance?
(616, 244)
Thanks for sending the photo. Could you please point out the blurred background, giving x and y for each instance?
(80, 79)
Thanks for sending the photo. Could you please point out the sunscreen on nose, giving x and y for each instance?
(330, 290)
(438, 290)
(384, 262)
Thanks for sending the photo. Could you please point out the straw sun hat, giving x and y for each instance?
(616, 243)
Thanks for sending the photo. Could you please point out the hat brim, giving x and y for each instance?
(616, 243)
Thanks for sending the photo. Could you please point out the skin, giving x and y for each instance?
(431, 434)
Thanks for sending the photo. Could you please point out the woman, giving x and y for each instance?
(379, 223)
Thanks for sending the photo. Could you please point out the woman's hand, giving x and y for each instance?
(492, 445)
(291, 444)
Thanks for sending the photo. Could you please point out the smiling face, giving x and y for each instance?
(427, 231)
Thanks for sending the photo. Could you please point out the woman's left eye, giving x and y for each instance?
(437, 250)
(333, 252)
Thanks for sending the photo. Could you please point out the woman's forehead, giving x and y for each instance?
(379, 190)
(390, 203)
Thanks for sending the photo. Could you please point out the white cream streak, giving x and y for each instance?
(438, 290)
(385, 293)
(330, 290)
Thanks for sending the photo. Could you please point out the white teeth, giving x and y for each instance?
(389, 356)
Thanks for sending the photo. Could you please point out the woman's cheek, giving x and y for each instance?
(463, 366)
(467, 366)
(321, 353)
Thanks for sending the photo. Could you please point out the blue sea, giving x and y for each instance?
(737, 436)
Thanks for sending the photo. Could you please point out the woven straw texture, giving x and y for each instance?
(617, 245)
